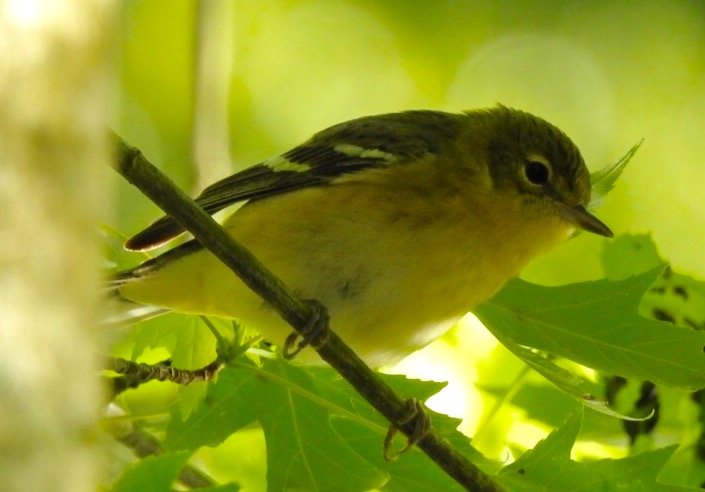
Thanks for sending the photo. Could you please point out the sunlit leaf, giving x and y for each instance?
(318, 430)
(673, 297)
(158, 474)
(597, 324)
(574, 385)
(548, 467)
(603, 180)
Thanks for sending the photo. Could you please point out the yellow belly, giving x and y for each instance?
(394, 276)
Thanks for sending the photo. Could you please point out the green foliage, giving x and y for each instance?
(597, 324)
(158, 473)
(674, 297)
(571, 383)
(629, 255)
(548, 467)
(317, 429)
(152, 473)
(319, 432)
(639, 322)
(603, 180)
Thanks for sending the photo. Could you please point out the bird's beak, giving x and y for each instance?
(585, 220)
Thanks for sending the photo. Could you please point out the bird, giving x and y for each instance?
(399, 224)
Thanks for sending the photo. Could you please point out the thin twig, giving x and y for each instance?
(163, 372)
(135, 168)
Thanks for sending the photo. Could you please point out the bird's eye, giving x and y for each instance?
(536, 172)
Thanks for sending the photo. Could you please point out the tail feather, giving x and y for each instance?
(123, 311)
(120, 311)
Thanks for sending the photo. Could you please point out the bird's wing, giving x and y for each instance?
(347, 148)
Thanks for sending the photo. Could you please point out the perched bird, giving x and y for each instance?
(398, 223)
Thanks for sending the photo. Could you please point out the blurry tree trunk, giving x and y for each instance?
(54, 109)
(213, 76)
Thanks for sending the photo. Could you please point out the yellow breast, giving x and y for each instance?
(393, 273)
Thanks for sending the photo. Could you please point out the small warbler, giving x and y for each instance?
(398, 223)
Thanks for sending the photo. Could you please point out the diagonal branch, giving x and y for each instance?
(300, 314)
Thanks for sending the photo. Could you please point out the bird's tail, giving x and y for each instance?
(121, 311)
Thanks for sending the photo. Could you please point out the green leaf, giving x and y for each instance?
(673, 297)
(228, 487)
(604, 179)
(185, 337)
(161, 331)
(597, 324)
(228, 406)
(629, 255)
(158, 473)
(154, 473)
(320, 433)
(195, 345)
(548, 467)
(411, 472)
(303, 451)
(576, 386)
(547, 404)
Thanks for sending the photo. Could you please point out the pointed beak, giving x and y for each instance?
(585, 220)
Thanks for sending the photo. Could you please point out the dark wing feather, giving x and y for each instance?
(342, 149)
(256, 182)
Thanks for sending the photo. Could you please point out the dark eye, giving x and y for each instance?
(536, 172)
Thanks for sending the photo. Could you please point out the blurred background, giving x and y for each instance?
(208, 88)
(607, 73)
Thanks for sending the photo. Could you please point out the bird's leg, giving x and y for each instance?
(416, 414)
(314, 334)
